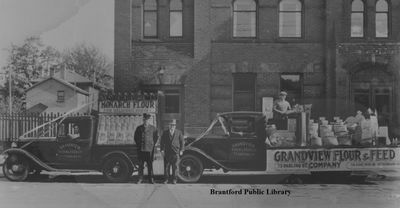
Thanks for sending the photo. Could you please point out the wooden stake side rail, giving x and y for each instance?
(14, 125)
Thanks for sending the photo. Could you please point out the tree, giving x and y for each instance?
(33, 60)
(27, 62)
(88, 61)
(17, 104)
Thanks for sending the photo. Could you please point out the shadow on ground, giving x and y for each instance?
(210, 179)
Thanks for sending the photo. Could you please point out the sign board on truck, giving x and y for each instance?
(118, 118)
(337, 159)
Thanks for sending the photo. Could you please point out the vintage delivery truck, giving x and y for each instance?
(101, 142)
(244, 141)
(235, 141)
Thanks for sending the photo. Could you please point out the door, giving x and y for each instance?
(172, 106)
(73, 143)
(377, 97)
(382, 99)
(247, 149)
(244, 89)
(215, 142)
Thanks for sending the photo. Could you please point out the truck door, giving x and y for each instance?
(74, 142)
(217, 143)
(247, 147)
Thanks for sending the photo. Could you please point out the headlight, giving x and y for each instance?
(14, 145)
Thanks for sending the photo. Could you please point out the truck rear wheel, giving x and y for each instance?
(117, 170)
(190, 169)
(16, 168)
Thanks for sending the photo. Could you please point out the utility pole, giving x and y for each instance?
(9, 88)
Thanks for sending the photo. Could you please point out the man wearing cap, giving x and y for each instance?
(281, 109)
(146, 137)
(172, 145)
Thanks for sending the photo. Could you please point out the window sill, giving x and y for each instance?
(382, 38)
(169, 40)
(290, 39)
(175, 37)
(358, 38)
(238, 40)
(150, 40)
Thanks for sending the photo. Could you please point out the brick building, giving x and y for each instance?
(210, 56)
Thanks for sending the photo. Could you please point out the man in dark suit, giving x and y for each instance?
(146, 137)
(172, 145)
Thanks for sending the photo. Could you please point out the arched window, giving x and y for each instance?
(290, 18)
(175, 18)
(150, 9)
(357, 19)
(244, 18)
(382, 19)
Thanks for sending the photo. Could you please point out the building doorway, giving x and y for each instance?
(172, 102)
(374, 97)
(373, 89)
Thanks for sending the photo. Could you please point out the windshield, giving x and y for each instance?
(217, 128)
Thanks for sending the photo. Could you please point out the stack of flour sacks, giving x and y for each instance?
(325, 134)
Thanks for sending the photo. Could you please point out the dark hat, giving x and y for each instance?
(173, 122)
(146, 116)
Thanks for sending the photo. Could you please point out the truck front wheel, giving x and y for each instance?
(190, 169)
(16, 168)
(117, 170)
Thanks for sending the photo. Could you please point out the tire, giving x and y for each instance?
(16, 168)
(116, 169)
(190, 169)
(331, 176)
(294, 179)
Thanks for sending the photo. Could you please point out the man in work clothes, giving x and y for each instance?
(146, 137)
(172, 145)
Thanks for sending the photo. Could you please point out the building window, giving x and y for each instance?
(60, 96)
(357, 19)
(244, 18)
(290, 18)
(150, 9)
(293, 85)
(172, 101)
(175, 18)
(244, 91)
(382, 19)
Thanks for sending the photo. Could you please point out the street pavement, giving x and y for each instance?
(93, 191)
(1, 159)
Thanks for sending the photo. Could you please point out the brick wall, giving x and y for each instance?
(268, 61)
(123, 76)
(197, 83)
(204, 60)
(267, 21)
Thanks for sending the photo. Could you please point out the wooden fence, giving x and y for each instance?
(13, 125)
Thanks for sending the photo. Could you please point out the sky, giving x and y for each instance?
(60, 23)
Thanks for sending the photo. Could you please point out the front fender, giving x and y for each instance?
(30, 156)
(191, 150)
